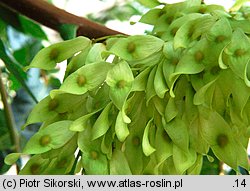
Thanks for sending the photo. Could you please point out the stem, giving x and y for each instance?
(9, 119)
(72, 171)
(53, 17)
(101, 39)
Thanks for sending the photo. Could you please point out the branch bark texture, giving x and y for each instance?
(52, 17)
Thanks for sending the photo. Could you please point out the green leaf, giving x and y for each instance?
(163, 145)
(121, 128)
(171, 110)
(26, 53)
(172, 59)
(61, 165)
(232, 86)
(147, 62)
(140, 81)
(31, 28)
(106, 145)
(222, 65)
(146, 146)
(120, 79)
(49, 108)
(82, 123)
(197, 141)
(159, 104)
(4, 167)
(150, 90)
(169, 167)
(219, 136)
(149, 3)
(77, 61)
(95, 53)
(98, 99)
(160, 84)
(102, 123)
(178, 132)
(48, 57)
(133, 145)
(183, 160)
(192, 30)
(196, 168)
(85, 79)
(3, 29)
(12, 158)
(201, 94)
(184, 35)
(15, 69)
(53, 136)
(119, 164)
(168, 15)
(220, 32)
(62, 159)
(93, 160)
(171, 31)
(242, 24)
(136, 47)
(54, 82)
(151, 16)
(238, 55)
(193, 61)
(35, 166)
(67, 31)
(22, 23)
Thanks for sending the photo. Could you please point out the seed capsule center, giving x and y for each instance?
(202, 10)
(220, 38)
(53, 54)
(35, 168)
(174, 61)
(215, 70)
(53, 104)
(81, 80)
(121, 84)
(136, 141)
(239, 52)
(131, 47)
(169, 20)
(222, 140)
(61, 163)
(174, 31)
(199, 56)
(45, 140)
(94, 155)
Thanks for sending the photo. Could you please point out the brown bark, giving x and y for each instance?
(52, 17)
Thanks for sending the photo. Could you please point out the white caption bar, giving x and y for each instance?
(114, 183)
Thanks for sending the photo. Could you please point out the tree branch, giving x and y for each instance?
(52, 17)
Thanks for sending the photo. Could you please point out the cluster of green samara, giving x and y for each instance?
(148, 104)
